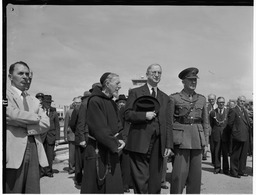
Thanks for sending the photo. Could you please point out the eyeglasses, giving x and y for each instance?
(154, 72)
(221, 102)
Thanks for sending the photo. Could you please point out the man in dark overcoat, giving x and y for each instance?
(51, 137)
(150, 134)
(190, 133)
(238, 122)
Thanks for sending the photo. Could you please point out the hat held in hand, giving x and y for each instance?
(146, 104)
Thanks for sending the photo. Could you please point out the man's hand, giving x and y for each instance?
(150, 115)
(167, 152)
(83, 144)
(57, 142)
(121, 146)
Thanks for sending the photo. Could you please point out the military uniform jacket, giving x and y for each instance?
(193, 135)
(218, 122)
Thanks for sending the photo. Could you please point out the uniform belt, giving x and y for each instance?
(184, 120)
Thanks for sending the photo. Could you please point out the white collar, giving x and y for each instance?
(150, 88)
(16, 90)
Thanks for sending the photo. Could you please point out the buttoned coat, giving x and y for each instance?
(18, 123)
(238, 122)
(141, 130)
(190, 136)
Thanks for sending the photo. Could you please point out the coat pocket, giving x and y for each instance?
(177, 136)
(201, 135)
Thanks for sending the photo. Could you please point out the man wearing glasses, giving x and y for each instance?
(238, 122)
(150, 134)
(220, 136)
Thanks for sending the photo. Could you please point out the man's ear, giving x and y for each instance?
(10, 76)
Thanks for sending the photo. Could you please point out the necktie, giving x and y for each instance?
(153, 93)
(25, 103)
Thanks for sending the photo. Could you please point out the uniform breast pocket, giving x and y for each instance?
(198, 110)
(181, 109)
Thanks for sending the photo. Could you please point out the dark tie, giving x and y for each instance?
(153, 92)
(25, 103)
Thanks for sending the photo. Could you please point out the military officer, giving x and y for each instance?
(190, 130)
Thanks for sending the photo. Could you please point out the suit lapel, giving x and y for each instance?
(16, 98)
(145, 90)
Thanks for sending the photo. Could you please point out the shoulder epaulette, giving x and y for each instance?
(201, 95)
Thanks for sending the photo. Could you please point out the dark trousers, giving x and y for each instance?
(71, 156)
(212, 148)
(238, 157)
(26, 178)
(79, 163)
(221, 148)
(49, 150)
(187, 170)
(163, 180)
(126, 169)
(146, 169)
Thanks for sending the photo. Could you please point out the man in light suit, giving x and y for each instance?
(25, 121)
(150, 134)
(238, 122)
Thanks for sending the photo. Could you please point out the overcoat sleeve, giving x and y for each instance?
(131, 115)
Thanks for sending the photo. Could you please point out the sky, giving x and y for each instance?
(68, 48)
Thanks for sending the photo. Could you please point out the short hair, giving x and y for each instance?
(241, 96)
(220, 98)
(212, 95)
(12, 66)
(150, 66)
(109, 78)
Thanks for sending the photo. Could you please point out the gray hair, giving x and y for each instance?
(109, 79)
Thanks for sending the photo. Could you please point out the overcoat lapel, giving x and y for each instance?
(145, 90)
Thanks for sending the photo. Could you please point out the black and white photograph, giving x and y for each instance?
(127, 97)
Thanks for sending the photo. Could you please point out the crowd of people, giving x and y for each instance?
(118, 142)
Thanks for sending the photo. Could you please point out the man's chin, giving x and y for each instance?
(115, 95)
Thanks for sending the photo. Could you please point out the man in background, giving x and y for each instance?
(50, 138)
(238, 122)
(220, 136)
(210, 108)
(69, 136)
